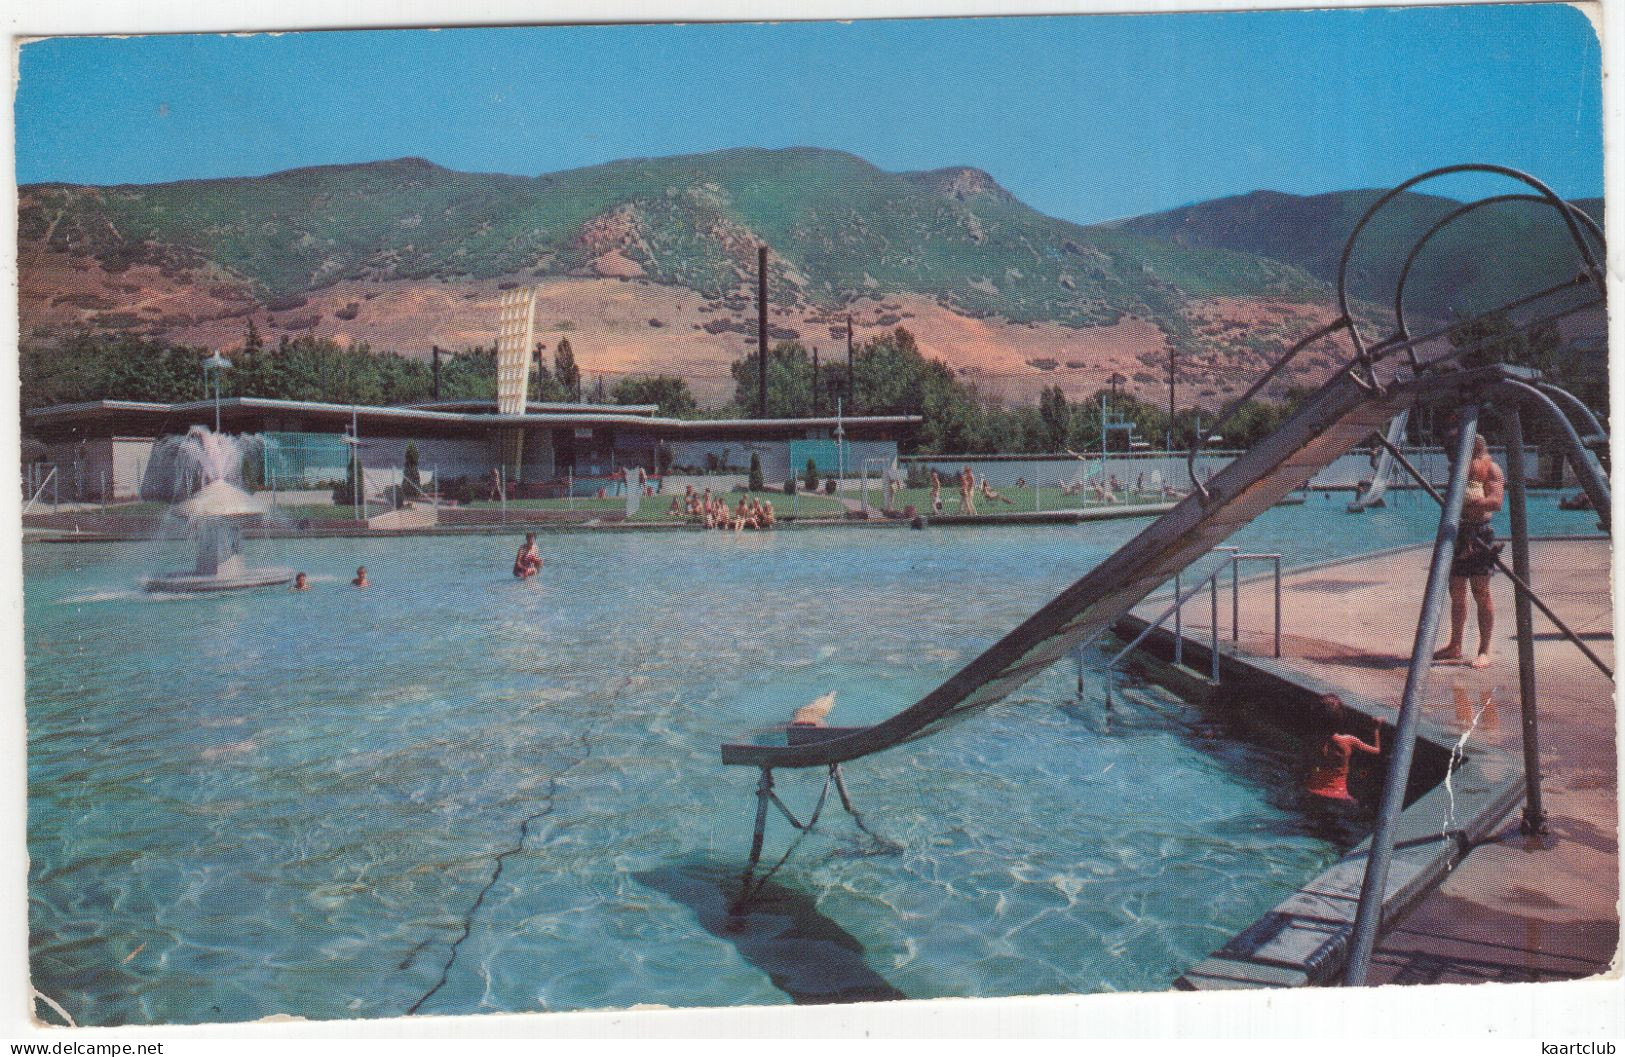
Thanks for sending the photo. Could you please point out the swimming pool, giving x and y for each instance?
(292, 803)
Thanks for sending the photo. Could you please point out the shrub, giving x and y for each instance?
(829, 486)
(812, 474)
(409, 471)
(790, 485)
(756, 482)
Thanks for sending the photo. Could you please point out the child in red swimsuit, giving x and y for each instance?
(1329, 767)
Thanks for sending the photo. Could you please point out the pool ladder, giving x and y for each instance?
(1176, 610)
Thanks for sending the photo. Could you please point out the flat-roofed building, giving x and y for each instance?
(103, 448)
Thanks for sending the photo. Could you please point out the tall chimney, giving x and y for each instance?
(761, 330)
(815, 400)
(851, 395)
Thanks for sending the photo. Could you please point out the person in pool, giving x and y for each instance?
(1329, 763)
(1476, 549)
(360, 578)
(301, 582)
(529, 560)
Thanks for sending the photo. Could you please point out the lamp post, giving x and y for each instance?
(358, 474)
(214, 365)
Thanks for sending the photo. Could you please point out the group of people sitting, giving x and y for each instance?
(1097, 490)
(712, 511)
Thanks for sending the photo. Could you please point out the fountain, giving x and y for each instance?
(214, 515)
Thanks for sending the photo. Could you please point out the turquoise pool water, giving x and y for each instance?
(295, 803)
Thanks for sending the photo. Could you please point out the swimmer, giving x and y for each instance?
(676, 508)
(936, 493)
(768, 520)
(360, 578)
(1329, 764)
(529, 560)
(301, 582)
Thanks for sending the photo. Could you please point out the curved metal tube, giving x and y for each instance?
(1564, 396)
(1235, 405)
(1455, 215)
(1585, 467)
(1546, 193)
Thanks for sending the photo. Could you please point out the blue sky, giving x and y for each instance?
(1085, 117)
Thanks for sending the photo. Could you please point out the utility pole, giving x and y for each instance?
(761, 330)
(1169, 439)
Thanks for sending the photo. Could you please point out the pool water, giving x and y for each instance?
(455, 793)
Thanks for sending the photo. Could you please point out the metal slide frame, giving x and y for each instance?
(1368, 393)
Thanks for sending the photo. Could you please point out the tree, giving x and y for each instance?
(409, 471)
(756, 482)
(671, 394)
(565, 369)
(789, 382)
(1056, 416)
(812, 474)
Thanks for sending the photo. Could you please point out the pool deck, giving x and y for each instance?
(1514, 908)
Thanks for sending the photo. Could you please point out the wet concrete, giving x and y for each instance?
(1517, 907)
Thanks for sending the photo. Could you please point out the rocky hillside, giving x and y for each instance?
(649, 265)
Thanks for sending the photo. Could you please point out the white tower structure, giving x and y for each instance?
(515, 336)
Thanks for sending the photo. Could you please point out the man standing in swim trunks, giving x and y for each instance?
(967, 491)
(1476, 550)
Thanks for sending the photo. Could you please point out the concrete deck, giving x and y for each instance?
(1516, 908)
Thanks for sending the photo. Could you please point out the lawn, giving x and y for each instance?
(657, 508)
(1021, 500)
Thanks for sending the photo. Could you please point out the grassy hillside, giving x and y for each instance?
(1485, 258)
(839, 228)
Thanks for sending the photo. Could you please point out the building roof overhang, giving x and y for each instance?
(568, 416)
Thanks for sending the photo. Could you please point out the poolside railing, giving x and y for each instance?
(1176, 610)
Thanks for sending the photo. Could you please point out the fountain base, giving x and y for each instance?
(192, 582)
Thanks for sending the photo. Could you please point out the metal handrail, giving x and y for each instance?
(39, 491)
(1210, 581)
(1175, 610)
(1235, 595)
(1179, 614)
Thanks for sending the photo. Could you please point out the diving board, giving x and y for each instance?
(1339, 415)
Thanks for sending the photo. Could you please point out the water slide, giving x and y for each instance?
(1385, 467)
(1337, 417)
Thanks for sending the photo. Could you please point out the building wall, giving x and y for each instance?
(775, 455)
(1346, 472)
(105, 468)
(445, 456)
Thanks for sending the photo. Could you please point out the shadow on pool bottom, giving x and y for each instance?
(805, 953)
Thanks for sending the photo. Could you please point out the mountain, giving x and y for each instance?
(649, 264)
(1481, 260)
